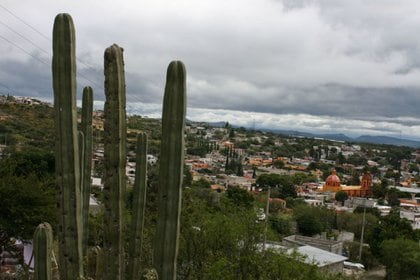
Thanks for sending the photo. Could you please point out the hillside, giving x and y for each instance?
(26, 125)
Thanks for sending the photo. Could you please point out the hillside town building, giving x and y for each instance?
(333, 184)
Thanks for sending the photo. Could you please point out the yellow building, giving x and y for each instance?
(333, 184)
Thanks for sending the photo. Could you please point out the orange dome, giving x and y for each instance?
(333, 179)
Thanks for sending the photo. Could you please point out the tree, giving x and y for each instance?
(27, 192)
(357, 160)
(282, 224)
(341, 196)
(25, 203)
(29, 161)
(187, 181)
(390, 227)
(379, 190)
(308, 224)
(413, 167)
(282, 183)
(352, 222)
(368, 260)
(278, 164)
(200, 151)
(232, 133)
(240, 169)
(202, 183)
(299, 178)
(240, 197)
(401, 258)
(313, 220)
(224, 242)
(394, 195)
(340, 158)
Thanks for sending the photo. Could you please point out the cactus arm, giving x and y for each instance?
(43, 242)
(171, 171)
(86, 128)
(115, 162)
(67, 154)
(139, 203)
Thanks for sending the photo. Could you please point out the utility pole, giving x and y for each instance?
(363, 230)
(267, 209)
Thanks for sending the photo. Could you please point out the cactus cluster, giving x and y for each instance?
(73, 167)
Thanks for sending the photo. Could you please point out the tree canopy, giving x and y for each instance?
(282, 185)
(28, 195)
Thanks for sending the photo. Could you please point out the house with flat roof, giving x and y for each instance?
(321, 243)
(324, 260)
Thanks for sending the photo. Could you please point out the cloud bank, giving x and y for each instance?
(336, 66)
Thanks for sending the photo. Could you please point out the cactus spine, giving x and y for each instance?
(139, 203)
(115, 162)
(43, 241)
(86, 128)
(171, 171)
(67, 148)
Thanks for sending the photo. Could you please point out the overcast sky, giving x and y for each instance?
(348, 66)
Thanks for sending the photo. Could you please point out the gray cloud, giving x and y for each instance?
(348, 60)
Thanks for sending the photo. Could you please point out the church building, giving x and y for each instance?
(333, 184)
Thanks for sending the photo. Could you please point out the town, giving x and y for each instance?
(321, 198)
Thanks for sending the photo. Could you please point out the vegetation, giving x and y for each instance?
(27, 192)
(211, 232)
(221, 234)
(313, 220)
(209, 212)
(341, 196)
(402, 258)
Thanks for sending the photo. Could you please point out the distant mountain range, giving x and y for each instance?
(387, 140)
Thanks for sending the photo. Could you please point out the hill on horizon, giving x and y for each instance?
(373, 139)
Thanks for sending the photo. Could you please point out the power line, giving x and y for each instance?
(24, 22)
(133, 96)
(43, 61)
(6, 87)
(38, 47)
(11, 91)
(25, 38)
(22, 49)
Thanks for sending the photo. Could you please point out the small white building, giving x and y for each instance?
(314, 202)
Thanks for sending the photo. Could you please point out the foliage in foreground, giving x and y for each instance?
(221, 238)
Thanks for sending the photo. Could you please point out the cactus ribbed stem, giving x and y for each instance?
(171, 171)
(86, 128)
(67, 152)
(43, 242)
(115, 163)
(139, 203)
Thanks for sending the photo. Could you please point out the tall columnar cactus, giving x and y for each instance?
(67, 148)
(86, 128)
(139, 203)
(43, 243)
(171, 171)
(115, 163)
